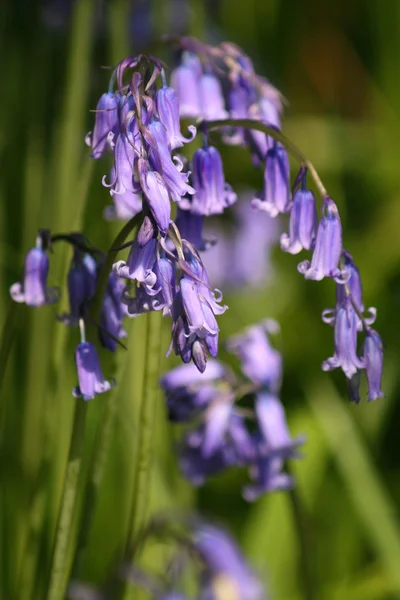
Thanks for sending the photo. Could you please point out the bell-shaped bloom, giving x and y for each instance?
(238, 104)
(212, 194)
(140, 265)
(106, 127)
(267, 476)
(175, 179)
(33, 290)
(275, 436)
(212, 98)
(260, 362)
(303, 223)
(275, 197)
(345, 342)
(224, 561)
(185, 81)
(197, 469)
(81, 282)
(121, 175)
(373, 358)
(190, 227)
(112, 314)
(216, 422)
(167, 104)
(156, 195)
(328, 246)
(90, 376)
(354, 287)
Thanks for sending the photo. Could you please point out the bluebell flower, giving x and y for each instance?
(275, 197)
(345, 342)
(106, 127)
(373, 359)
(90, 376)
(122, 184)
(190, 227)
(225, 565)
(140, 265)
(171, 170)
(81, 283)
(267, 476)
(211, 98)
(328, 246)
(303, 223)
(167, 104)
(275, 438)
(33, 290)
(197, 469)
(112, 314)
(185, 81)
(212, 194)
(155, 194)
(354, 285)
(260, 362)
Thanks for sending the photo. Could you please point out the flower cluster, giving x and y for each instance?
(167, 197)
(221, 437)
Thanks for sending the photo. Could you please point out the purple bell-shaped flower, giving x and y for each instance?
(33, 290)
(373, 358)
(275, 197)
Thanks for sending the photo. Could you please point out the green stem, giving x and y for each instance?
(58, 576)
(302, 531)
(99, 456)
(7, 338)
(278, 136)
(146, 441)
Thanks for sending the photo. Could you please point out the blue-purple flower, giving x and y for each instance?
(328, 246)
(90, 376)
(33, 289)
(345, 342)
(212, 194)
(275, 197)
(225, 563)
(303, 223)
(373, 359)
(211, 98)
(167, 104)
(275, 438)
(81, 283)
(185, 81)
(260, 362)
(106, 127)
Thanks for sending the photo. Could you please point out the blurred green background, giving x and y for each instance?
(338, 65)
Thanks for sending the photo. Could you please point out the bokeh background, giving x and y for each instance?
(338, 65)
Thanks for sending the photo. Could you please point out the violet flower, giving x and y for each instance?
(275, 438)
(260, 362)
(373, 358)
(33, 290)
(267, 476)
(106, 127)
(212, 194)
(81, 284)
(275, 198)
(140, 265)
(211, 98)
(345, 342)
(167, 104)
(303, 223)
(185, 81)
(223, 560)
(112, 314)
(328, 246)
(156, 195)
(90, 376)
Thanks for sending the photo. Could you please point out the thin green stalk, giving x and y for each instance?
(7, 338)
(58, 574)
(278, 136)
(305, 570)
(141, 487)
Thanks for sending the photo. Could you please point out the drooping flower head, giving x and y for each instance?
(275, 197)
(90, 376)
(373, 358)
(33, 290)
(106, 127)
(303, 221)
